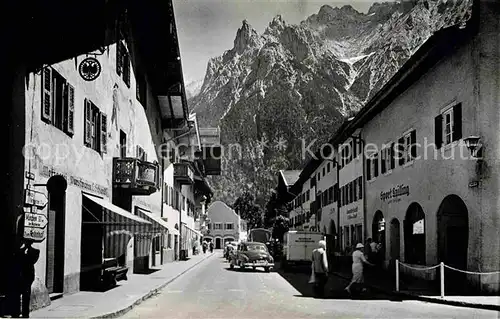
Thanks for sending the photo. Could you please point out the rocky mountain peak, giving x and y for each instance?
(246, 37)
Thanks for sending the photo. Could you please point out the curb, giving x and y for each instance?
(151, 293)
(429, 299)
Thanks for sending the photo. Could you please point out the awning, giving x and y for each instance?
(195, 231)
(115, 209)
(157, 219)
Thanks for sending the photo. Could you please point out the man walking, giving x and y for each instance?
(320, 269)
(28, 258)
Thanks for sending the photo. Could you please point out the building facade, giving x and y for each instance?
(223, 225)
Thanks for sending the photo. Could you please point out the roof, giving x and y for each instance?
(290, 177)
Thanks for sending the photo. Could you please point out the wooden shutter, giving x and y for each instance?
(438, 131)
(368, 169)
(360, 188)
(70, 116)
(393, 151)
(375, 165)
(355, 189)
(87, 122)
(119, 58)
(413, 147)
(382, 161)
(401, 148)
(47, 100)
(104, 133)
(457, 122)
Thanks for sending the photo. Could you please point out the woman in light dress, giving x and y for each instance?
(358, 259)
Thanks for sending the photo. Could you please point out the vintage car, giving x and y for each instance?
(252, 254)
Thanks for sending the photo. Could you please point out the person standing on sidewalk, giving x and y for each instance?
(358, 260)
(211, 247)
(320, 268)
(28, 258)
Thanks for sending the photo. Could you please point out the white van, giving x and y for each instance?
(298, 247)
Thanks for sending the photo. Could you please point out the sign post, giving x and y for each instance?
(34, 222)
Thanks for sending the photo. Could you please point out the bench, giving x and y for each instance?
(112, 272)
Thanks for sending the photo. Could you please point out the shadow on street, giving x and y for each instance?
(299, 277)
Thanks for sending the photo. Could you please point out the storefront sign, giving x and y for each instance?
(47, 171)
(394, 193)
(352, 213)
(35, 234)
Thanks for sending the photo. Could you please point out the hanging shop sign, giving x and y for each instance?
(89, 69)
(394, 194)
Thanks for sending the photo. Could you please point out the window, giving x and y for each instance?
(372, 167)
(313, 182)
(328, 167)
(169, 241)
(330, 195)
(323, 171)
(448, 126)
(319, 177)
(217, 226)
(123, 144)
(308, 195)
(141, 154)
(123, 62)
(229, 226)
(95, 135)
(387, 159)
(336, 192)
(360, 187)
(355, 190)
(156, 244)
(58, 101)
(407, 147)
(209, 226)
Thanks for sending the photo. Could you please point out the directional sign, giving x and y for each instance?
(35, 198)
(35, 220)
(35, 234)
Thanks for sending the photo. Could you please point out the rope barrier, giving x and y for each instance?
(473, 272)
(420, 268)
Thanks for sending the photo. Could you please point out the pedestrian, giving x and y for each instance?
(358, 260)
(319, 269)
(28, 258)
(211, 247)
(205, 246)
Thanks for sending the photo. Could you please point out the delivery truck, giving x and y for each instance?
(298, 247)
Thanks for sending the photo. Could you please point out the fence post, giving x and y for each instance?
(397, 275)
(441, 267)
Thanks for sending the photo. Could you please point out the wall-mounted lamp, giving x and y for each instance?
(473, 143)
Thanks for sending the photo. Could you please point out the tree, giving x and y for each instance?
(274, 208)
(246, 208)
(280, 227)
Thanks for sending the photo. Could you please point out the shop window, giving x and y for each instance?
(95, 121)
(58, 101)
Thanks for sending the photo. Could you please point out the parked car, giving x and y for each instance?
(252, 254)
(298, 247)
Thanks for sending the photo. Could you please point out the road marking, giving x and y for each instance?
(236, 290)
(174, 291)
(206, 290)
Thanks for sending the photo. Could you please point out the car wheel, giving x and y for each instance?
(267, 269)
(254, 268)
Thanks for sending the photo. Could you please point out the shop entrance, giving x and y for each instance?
(453, 241)
(218, 243)
(414, 235)
(54, 278)
(330, 242)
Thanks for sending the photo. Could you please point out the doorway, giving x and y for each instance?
(378, 232)
(330, 243)
(414, 235)
(453, 241)
(56, 208)
(218, 243)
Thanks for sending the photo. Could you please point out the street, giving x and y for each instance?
(212, 290)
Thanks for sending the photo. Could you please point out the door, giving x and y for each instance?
(54, 277)
(395, 240)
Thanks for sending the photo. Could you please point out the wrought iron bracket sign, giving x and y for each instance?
(90, 69)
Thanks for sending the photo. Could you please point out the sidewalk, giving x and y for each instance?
(119, 300)
(419, 291)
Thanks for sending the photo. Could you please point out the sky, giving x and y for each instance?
(207, 28)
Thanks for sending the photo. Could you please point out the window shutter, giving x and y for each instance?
(355, 188)
(401, 148)
(47, 102)
(413, 147)
(457, 122)
(382, 162)
(438, 131)
(70, 117)
(88, 123)
(375, 165)
(393, 151)
(104, 133)
(368, 169)
(119, 58)
(360, 182)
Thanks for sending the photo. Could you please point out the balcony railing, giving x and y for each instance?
(183, 173)
(140, 177)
